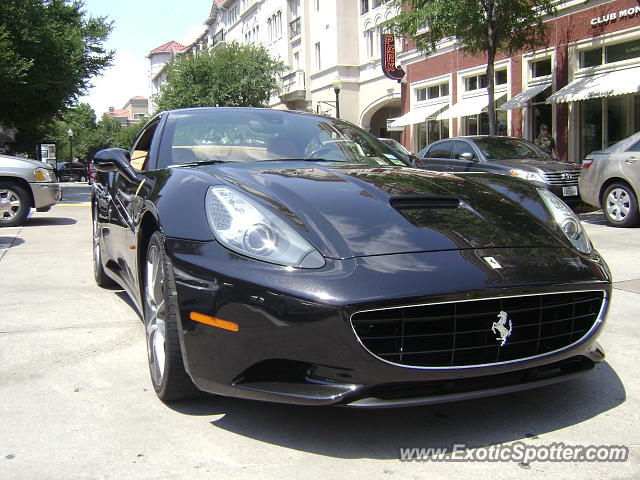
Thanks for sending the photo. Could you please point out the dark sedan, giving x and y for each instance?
(507, 155)
(295, 258)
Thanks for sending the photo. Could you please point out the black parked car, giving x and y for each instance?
(72, 172)
(294, 258)
(507, 155)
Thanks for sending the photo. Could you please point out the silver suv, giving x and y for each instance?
(25, 184)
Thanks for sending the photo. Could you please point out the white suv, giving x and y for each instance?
(25, 184)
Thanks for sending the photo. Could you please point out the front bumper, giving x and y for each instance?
(45, 194)
(296, 343)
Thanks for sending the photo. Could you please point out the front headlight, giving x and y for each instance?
(43, 175)
(248, 228)
(531, 176)
(567, 221)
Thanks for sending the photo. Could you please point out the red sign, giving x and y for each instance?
(389, 67)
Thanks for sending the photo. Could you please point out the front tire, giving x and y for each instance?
(14, 204)
(168, 375)
(620, 205)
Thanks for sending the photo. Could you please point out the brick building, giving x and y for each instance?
(585, 84)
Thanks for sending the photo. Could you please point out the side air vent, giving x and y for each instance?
(409, 202)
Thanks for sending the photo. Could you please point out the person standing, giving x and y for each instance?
(546, 142)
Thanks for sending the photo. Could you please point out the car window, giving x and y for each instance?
(439, 150)
(635, 147)
(244, 135)
(505, 148)
(462, 147)
(140, 151)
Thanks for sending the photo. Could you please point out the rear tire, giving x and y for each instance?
(166, 366)
(620, 205)
(15, 204)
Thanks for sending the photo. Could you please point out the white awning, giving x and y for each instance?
(417, 115)
(467, 106)
(521, 99)
(609, 84)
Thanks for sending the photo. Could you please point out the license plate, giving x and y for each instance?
(569, 191)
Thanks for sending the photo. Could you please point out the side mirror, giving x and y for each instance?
(115, 160)
(468, 156)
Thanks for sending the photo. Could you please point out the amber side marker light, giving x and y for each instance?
(214, 322)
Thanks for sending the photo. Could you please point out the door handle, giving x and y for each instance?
(449, 167)
(631, 160)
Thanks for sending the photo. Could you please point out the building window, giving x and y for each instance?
(421, 136)
(437, 130)
(541, 68)
(610, 54)
(364, 6)
(435, 91)
(294, 8)
(318, 62)
(296, 60)
(604, 121)
(234, 13)
(477, 82)
(479, 124)
(370, 42)
(274, 26)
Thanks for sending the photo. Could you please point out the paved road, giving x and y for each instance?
(75, 192)
(76, 400)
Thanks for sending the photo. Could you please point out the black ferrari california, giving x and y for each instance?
(295, 258)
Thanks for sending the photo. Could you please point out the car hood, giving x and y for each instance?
(535, 164)
(354, 212)
(23, 162)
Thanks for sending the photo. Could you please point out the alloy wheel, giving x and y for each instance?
(156, 314)
(10, 204)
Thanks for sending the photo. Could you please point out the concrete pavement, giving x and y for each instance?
(76, 400)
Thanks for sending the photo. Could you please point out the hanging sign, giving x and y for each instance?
(389, 67)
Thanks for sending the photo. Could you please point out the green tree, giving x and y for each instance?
(484, 27)
(49, 50)
(235, 75)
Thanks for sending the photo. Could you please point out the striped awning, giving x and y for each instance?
(417, 115)
(521, 99)
(620, 82)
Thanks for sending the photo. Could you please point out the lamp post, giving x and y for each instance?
(70, 134)
(337, 86)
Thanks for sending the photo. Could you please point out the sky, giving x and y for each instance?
(139, 27)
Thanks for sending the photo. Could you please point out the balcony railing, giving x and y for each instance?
(217, 38)
(293, 82)
(295, 28)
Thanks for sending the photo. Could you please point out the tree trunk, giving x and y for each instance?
(491, 110)
(491, 59)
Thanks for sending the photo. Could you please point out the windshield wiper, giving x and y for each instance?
(201, 162)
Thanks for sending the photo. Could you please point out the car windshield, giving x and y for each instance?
(395, 144)
(251, 135)
(494, 148)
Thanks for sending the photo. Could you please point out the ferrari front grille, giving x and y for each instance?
(478, 332)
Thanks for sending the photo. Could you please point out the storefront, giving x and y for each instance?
(584, 85)
(603, 96)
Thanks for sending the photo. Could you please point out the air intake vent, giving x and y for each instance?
(409, 202)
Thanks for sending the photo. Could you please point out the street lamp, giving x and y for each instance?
(70, 134)
(337, 86)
